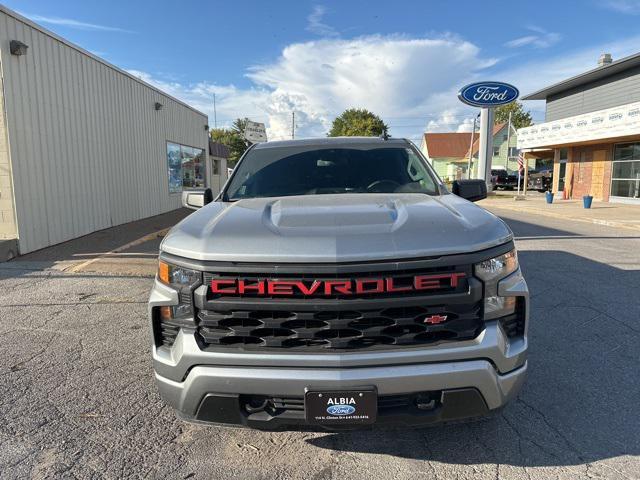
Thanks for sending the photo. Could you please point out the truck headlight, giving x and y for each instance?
(497, 267)
(176, 276)
(491, 272)
(183, 280)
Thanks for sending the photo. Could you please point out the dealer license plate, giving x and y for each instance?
(341, 407)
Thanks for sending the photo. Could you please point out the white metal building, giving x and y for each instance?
(84, 145)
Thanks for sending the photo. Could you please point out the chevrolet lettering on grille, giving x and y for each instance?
(327, 288)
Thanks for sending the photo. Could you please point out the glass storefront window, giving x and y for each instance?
(562, 171)
(186, 167)
(175, 169)
(564, 154)
(188, 177)
(625, 175)
(198, 168)
(562, 175)
(625, 188)
(626, 170)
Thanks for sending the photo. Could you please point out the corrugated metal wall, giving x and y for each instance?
(88, 149)
(8, 228)
(612, 91)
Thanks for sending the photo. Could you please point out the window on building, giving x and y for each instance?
(564, 156)
(505, 138)
(625, 174)
(496, 151)
(186, 167)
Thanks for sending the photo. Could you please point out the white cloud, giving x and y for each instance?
(625, 6)
(411, 83)
(450, 120)
(317, 26)
(231, 102)
(407, 81)
(537, 74)
(71, 23)
(540, 38)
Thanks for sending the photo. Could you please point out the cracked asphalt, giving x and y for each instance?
(77, 398)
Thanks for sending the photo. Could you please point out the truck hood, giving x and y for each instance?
(335, 228)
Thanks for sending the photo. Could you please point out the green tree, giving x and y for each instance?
(239, 125)
(357, 122)
(519, 118)
(233, 138)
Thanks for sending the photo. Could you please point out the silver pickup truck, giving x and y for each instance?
(336, 283)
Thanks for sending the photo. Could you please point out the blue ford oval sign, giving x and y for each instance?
(340, 410)
(488, 94)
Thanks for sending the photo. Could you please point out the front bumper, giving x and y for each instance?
(214, 394)
(470, 378)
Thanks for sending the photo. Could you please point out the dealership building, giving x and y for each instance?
(85, 145)
(591, 132)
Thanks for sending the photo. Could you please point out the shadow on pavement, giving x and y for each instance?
(94, 252)
(100, 242)
(580, 401)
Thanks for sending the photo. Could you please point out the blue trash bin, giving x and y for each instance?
(549, 196)
(586, 201)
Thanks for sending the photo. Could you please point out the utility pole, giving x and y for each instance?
(293, 125)
(473, 134)
(215, 114)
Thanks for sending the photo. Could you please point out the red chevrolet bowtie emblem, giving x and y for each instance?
(435, 319)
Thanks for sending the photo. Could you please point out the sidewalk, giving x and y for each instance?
(129, 249)
(602, 213)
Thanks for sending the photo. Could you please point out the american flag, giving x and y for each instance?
(520, 162)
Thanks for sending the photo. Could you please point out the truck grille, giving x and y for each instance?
(393, 319)
(345, 329)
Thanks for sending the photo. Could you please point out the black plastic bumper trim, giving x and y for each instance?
(456, 404)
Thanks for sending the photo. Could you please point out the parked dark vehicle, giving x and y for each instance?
(503, 179)
(540, 180)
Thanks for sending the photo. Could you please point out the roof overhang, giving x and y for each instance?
(593, 75)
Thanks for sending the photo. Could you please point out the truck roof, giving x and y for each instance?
(330, 141)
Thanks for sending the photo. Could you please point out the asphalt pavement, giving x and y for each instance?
(77, 398)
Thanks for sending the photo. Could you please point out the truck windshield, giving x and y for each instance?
(300, 170)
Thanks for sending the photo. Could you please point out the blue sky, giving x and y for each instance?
(403, 60)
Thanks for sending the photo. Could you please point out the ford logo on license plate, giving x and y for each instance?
(340, 410)
(341, 407)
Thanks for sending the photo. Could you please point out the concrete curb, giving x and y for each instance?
(593, 221)
(126, 246)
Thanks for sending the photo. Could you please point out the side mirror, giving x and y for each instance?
(195, 199)
(472, 190)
